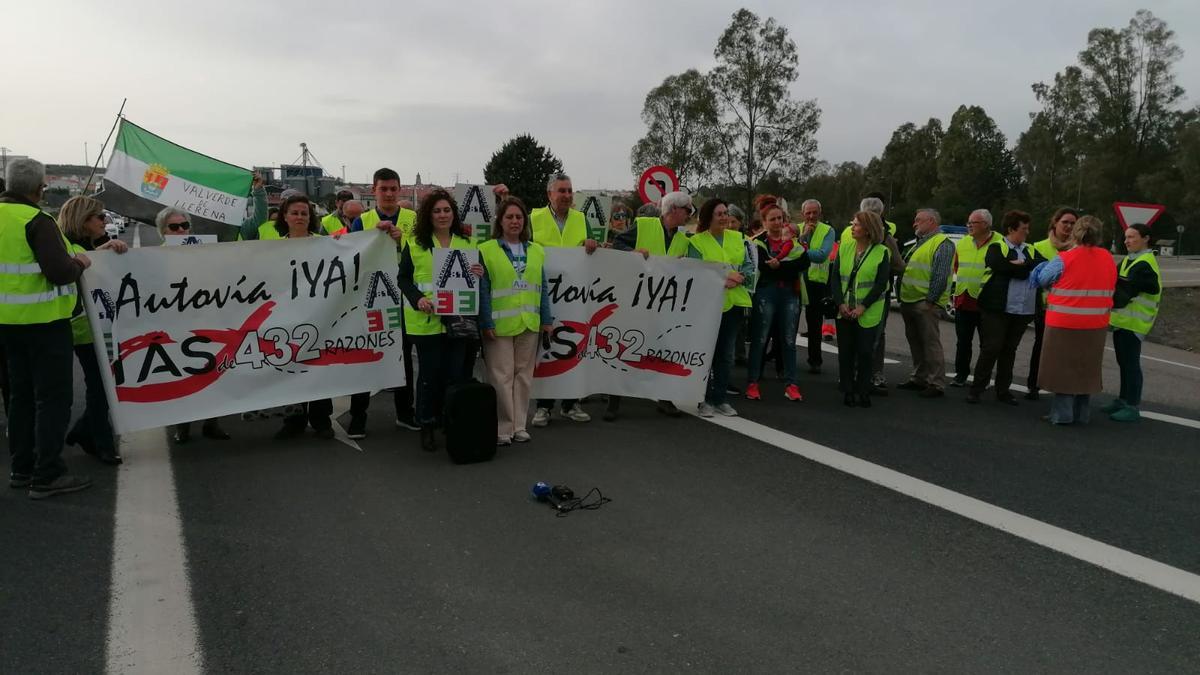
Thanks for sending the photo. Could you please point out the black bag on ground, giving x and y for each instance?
(470, 422)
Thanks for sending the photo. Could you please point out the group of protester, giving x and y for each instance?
(996, 282)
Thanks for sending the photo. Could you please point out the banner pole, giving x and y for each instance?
(100, 157)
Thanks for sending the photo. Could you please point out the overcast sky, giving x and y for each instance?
(438, 87)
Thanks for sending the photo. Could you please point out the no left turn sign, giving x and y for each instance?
(656, 182)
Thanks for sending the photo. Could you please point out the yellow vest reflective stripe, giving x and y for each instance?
(545, 229)
(914, 284)
(267, 231)
(417, 322)
(514, 310)
(1139, 315)
(819, 271)
(972, 273)
(863, 281)
(26, 295)
(81, 330)
(732, 253)
(650, 236)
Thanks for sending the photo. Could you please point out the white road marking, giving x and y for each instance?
(1131, 565)
(341, 405)
(151, 622)
(1152, 358)
(828, 348)
(1161, 417)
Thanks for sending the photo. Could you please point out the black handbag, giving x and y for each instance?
(462, 327)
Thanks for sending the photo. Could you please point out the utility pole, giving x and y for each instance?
(85, 155)
(343, 174)
(4, 160)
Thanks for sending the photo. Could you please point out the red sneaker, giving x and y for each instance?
(792, 392)
(752, 392)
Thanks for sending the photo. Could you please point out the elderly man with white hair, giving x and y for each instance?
(662, 235)
(38, 296)
(817, 237)
(971, 273)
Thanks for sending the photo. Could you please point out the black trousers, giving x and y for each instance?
(1000, 334)
(813, 320)
(41, 380)
(94, 422)
(966, 325)
(856, 350)
(314, 413)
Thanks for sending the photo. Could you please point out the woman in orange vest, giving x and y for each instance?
(1080, 282)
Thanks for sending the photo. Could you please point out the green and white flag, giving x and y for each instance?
(147, 172)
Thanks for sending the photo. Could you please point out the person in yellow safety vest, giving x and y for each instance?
(970, 274)
(558, 226)
(874, 203)
(345, 210)
(781, 261)
(514, 310)
(714, 243)
(82, 220)
(1135, 306)
(38, 295)
(1058, 239)
(924, 292)
(817, 237)
(444, 358)
(389, 208)
(858, 282)
(662, 236)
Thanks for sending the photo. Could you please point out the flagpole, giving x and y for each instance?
(100, 157)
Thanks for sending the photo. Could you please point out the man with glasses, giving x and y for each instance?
(971, 273)
(343, 215)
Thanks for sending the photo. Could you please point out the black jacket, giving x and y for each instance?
(1141, 279)
(994, 295)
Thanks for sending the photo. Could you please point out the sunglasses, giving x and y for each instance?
(185, 225)
(620, 216)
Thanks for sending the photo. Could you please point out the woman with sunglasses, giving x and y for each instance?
(618, 223)
(174, 222)
(82, 221)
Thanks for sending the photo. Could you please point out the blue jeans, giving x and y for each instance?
(718, 377)
(1070, 409)
(771, 303)
(1129, 355)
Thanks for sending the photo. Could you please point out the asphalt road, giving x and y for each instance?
(719, 552)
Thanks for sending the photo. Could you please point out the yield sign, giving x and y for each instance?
(1129, 213)
(656, 182)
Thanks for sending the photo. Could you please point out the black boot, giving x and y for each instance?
(183, 433)
(428, 440)
(212, 429)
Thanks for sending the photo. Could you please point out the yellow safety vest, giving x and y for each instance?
(819, 271)
(732, 253)
(546, 233)
(1139, 315)
(864, 280)
(516, 307)
(914, 284)
(972, 272)
(417, 322)
(267, 231)
(26, 296)
(332, 223)
(81, 330)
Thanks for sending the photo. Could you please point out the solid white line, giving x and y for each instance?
(1161, 417)
(1152, 358)
(1131, 565)
(151, 623)
(802, 341)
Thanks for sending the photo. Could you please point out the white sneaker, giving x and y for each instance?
(576, 414)
(705, 410)
(541, 417)
(502, 441)
(521, 437)
(726, 410)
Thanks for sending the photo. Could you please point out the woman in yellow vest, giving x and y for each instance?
(443, 359)
(514, 309)
(297, 219)
(1135, 307)
(82, 221)
(1058, 239)
(714, 243)
(858, 282)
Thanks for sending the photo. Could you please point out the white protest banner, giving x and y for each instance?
(189, 239)
(629, 326)
(455, 289)
(476, 209)
(195, 332)
(596, 207)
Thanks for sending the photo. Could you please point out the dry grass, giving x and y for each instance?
(1178, 323)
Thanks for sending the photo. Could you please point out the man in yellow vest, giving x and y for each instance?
(346, 210)
(656, 236)
(386, 185)
(970, 273)
(924, 290)
(37, 298)
(817, 237)
(558, 226)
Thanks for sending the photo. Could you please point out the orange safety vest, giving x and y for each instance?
(1081, 299)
